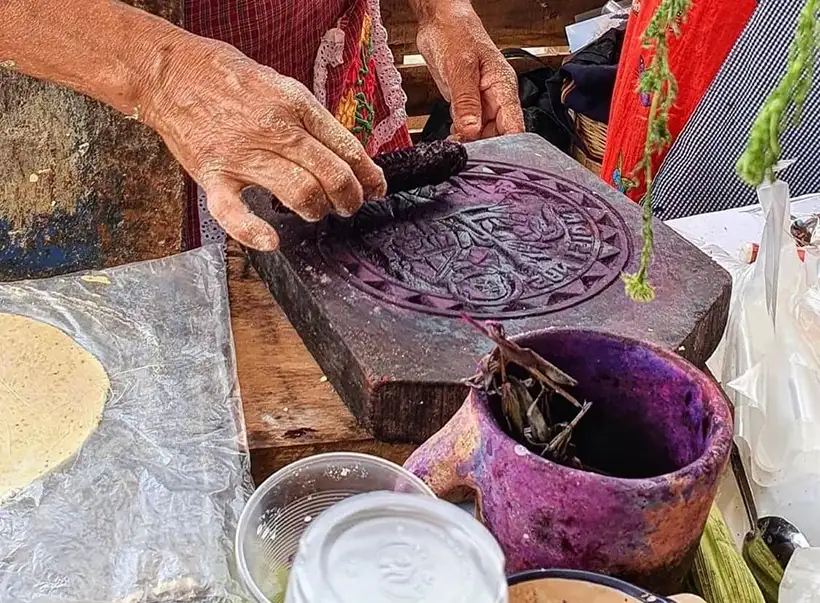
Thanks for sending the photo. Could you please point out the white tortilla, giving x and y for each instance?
(52, 393)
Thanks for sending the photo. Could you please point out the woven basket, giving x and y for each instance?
(593, 134)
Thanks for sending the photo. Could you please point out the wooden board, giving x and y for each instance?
(510, 23)
(290, 411)
(81, 186)
(379, 299)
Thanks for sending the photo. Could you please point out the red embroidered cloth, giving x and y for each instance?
(340, 41)
(710, 31)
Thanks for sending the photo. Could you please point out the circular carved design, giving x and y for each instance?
(496, 242)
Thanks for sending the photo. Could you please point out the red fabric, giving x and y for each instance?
(286, 35)
(710, 31)
(283, 34)
(353, 95)
(357, 81)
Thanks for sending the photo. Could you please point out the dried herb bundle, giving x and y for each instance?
(422, 165)
(527, 402)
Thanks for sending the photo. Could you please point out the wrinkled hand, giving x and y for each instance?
(232, 123)
(470, 72)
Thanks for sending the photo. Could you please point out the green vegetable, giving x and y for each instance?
(763, 149)
(765, 568)
(719, 573)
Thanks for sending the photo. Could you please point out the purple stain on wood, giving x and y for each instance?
(524, 235)
(498, 241)
(658, 426)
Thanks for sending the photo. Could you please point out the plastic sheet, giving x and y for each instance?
(147, 510)
(801, 582)
(770, 356)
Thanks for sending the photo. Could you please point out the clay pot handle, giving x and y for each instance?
(445, 461)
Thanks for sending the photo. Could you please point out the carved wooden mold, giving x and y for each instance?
(497, 242)
(525, 236)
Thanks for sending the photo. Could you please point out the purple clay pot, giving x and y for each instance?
(660, 427)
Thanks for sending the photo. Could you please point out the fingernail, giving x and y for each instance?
(377, 189)
(469, 120)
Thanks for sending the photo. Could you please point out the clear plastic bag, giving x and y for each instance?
(801, 582)
(769, 359)
(147, 510)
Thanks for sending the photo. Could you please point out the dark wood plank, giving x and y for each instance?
(81, 186)
(510, 23)
(290, 411)
(375, 305)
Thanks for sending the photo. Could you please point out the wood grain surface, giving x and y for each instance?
(290, 410)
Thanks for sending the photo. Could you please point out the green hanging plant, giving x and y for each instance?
(763, 148)
(660, 84)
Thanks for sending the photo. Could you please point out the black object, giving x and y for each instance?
(590, 74)
(426, 164)
(588, 577)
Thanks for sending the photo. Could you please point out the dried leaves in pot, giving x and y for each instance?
(531, 397)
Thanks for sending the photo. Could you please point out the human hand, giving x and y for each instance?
(232, 123)
(470, 72)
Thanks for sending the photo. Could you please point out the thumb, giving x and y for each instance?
(225, 204)
(465, 92)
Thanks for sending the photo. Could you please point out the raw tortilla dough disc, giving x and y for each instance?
(52, 394)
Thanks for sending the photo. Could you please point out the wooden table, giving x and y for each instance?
(291, 411)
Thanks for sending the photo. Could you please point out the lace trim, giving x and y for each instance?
(330, 54)
(390, 81)
(209, 230)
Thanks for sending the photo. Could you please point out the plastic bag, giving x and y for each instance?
(147, 510)
(801, 582)
(769, 359)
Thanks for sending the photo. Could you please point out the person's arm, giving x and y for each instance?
(469, 69)
(111, 56)
(229, 121)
